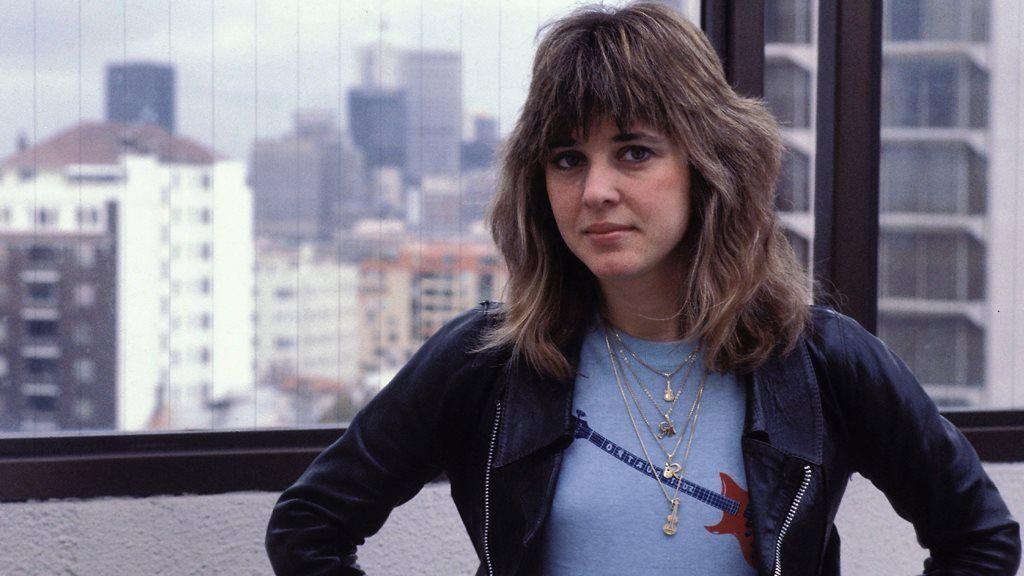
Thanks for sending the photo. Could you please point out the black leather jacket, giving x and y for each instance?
(840, 403)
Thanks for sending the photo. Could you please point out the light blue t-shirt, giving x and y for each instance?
(608, 511)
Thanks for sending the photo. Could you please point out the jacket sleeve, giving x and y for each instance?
(926, 468)
(392, 447)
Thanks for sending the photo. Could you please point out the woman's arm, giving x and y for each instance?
(393, 446)
(922, 463)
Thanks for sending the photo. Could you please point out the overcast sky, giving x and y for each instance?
(53, 54)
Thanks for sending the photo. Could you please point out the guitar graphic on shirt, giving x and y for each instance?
(732, 500)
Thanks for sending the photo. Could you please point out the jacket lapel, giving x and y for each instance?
(783, 430)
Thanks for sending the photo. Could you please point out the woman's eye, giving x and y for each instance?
(566, 160)
(636, 154)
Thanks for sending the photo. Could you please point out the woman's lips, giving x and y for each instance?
(607, 234)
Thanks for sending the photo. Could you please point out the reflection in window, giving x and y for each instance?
(941, 350)
(787, 90)
(932, 266)
(794, 190)
(787, 21)
(935, 91)
(962, 20)
(936, 177)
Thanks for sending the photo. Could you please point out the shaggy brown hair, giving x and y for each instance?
(744, 294)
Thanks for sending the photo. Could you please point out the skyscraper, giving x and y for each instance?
(433, 87)
(141, 93)
(377, 120)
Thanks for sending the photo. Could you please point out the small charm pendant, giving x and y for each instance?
(669, 396)
(671, 469)
(666, 429)
(669, 528)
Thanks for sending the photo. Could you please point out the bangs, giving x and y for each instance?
(598, 71)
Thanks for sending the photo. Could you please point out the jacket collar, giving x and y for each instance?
(783, 408)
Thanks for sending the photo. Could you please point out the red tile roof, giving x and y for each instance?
(104, 142)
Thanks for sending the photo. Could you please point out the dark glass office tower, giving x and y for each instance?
(141, 93)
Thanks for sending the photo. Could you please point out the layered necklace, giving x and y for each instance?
(672, 467)
(666, 427)
(668, 396)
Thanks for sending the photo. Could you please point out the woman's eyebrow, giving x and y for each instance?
(630, 136)
(561, 143)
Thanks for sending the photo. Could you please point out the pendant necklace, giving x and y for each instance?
(668, 396)
(666, 427)
(671, 469)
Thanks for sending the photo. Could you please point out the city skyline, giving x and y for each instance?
(218, 78)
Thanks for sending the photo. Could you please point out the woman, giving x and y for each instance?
(655, 394)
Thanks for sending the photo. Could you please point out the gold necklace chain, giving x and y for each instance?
(657, 437)
(666, 428)
(672, 520)
(666, 375)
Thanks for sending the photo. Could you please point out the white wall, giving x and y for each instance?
(223, 534)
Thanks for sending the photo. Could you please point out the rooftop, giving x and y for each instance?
(105, 143)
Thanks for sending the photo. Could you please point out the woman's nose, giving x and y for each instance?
(599, 186)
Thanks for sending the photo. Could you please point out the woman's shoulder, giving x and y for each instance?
(463, 335)
(843, 339)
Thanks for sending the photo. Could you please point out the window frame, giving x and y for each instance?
(215, 462)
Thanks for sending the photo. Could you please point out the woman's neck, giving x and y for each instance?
(644, 309)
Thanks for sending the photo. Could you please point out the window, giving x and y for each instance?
(84, 409)
(82, 334)
(86, 215)
(788, 93)
(41, 292)
(85, 295)
(85, 371)
(932, 177)
(931, 266)
(794, 189)
(41, 328)
(916, 20)
(941, 351)
(787, 21)
(41, 369)
(937, 91)
(39, 253)
(86, 255)
(47, 217)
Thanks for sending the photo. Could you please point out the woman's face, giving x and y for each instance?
(621, 201)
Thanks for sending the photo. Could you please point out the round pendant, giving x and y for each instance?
(668, 395)
(669, 529)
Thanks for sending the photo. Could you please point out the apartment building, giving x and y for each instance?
(946, 254)
(184, 273)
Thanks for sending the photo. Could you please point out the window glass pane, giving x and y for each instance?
(789, 91)
(249, 212)
(949, 175)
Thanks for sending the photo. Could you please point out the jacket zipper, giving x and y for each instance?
(487, 491)
(789, 520)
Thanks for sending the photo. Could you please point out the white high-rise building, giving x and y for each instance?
(185, 261)
(949, 183)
